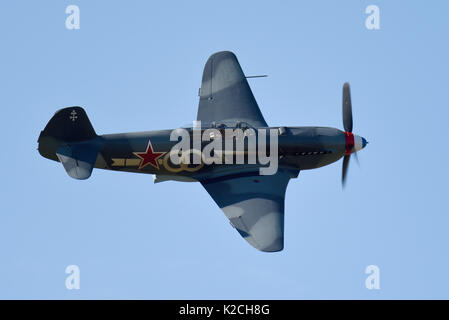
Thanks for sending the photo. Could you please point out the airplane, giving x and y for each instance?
(253, 203)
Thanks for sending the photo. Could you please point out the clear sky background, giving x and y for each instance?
(137, 65)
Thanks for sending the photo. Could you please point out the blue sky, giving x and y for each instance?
(137, 66)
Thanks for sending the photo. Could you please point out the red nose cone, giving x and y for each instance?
(349, 142)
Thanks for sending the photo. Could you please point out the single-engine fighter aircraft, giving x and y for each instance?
(253, 202)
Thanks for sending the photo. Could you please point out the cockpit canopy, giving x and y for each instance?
(220, 125)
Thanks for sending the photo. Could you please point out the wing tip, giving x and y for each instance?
(222, 54)
(275, 246)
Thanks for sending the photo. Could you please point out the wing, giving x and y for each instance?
(254, 205)
(225, 94)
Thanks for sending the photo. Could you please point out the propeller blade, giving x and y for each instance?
(347, 108)
(356, 158)
(345, 169)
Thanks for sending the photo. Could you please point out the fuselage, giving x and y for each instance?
(301, 148)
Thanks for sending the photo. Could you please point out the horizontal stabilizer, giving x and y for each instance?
(78, 159)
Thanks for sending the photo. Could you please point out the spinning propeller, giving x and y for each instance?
(354, 143)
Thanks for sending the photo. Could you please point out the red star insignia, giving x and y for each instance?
(149, 156)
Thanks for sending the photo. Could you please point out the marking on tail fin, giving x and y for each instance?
(73, 115)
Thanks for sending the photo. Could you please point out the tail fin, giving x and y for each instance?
(70, 138)
(70, 125)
